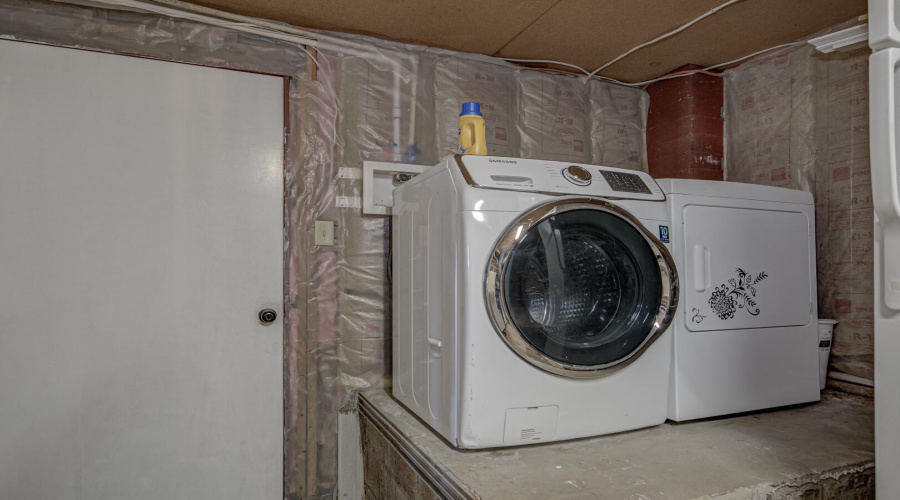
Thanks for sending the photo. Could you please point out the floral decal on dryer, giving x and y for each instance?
(738, 293)
(697, 317)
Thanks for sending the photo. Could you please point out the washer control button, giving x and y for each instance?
(577, 175)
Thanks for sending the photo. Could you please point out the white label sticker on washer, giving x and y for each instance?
(529, 425)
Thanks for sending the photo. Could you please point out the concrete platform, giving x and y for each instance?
(818, 451)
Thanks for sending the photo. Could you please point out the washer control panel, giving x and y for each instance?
(577, 175)
(542, 176)
(628, 183)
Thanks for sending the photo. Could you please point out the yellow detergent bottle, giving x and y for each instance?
(471, 130)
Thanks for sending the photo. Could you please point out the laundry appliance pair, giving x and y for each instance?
(541, 301)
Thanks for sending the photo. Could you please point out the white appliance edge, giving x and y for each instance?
(883, 70)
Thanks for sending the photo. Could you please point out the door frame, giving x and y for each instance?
(287, 324)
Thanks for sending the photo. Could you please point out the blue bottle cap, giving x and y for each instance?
(471, 108)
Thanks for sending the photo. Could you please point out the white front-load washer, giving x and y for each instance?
(531, 300)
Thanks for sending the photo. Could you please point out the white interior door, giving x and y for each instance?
(140, 234)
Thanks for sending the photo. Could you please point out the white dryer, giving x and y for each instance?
(746, 333)
(531, 300)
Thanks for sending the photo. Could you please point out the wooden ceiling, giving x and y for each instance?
(584, 32)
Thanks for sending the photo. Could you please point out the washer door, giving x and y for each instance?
(579, 288)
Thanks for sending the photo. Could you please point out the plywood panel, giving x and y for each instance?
(465, 25)
(583, 32)
(590, 33)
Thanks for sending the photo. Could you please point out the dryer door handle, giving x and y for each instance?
(435, 347)
(701, 268)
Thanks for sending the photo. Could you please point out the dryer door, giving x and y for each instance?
(579, 288)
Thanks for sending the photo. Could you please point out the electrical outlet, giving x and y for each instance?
(324, 232)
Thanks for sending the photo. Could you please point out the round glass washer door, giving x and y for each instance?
(578, 287)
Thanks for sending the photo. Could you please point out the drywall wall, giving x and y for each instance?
(799, 119)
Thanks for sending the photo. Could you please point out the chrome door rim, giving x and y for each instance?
(498, 311)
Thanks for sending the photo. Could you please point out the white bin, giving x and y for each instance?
(826, 328)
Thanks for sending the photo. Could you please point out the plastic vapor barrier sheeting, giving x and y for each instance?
(459, 80)
(364, 100)
(770, 115)
(618, 125)
(555, 118)
(799, 119)
(567, 118)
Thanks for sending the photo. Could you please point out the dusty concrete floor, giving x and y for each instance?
(818, 451)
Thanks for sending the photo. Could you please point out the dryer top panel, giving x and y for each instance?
(518, 174)
(738, 190)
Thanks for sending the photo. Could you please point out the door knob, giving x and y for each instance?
(267, 316)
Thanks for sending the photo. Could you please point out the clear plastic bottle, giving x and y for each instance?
(472, 137)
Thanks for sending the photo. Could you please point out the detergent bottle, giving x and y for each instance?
(471, 132)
